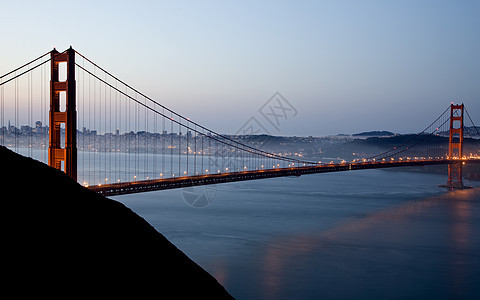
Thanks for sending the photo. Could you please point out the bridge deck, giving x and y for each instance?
(187, 181)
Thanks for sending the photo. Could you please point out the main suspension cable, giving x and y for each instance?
(236, 144)
(384, 154)
(21, 67)
(241, 145)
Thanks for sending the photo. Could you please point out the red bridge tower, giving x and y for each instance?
(63, 154)
(455, 146)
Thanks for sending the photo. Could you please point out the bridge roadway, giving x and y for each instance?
(197, 180)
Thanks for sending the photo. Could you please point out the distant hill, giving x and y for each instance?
(469, 131)
(63, 240)
(374, 133)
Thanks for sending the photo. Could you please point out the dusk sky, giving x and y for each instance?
(343, 66)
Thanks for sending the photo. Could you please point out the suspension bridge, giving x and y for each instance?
(114, 139)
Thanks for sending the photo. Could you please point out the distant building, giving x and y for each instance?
(25, 129)
(11, 129)
(38, 127)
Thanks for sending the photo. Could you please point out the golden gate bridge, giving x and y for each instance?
(114, 139)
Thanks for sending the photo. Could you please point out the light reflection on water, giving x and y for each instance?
(369, 234)
(282, 253)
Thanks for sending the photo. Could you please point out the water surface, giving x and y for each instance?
(371, 234)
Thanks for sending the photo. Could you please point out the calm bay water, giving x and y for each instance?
(365, 234)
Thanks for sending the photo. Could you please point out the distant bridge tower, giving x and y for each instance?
(455, 146)
(63, 155)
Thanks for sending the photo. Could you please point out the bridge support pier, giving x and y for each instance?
(63, 154)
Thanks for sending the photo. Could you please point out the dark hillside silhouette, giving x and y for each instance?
(59, 238)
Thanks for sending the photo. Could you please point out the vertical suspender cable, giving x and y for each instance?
(29, 113)
(136, 138)
(2, 111)
(203, 152)
(94, 128)
(146, 142)
(155, 144)
(16, 113)
(180, 148)
(171, 145)
(195, 152)
(116, 134)
(83, 124)
(164, 137)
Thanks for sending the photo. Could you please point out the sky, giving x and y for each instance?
(293, 67)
